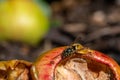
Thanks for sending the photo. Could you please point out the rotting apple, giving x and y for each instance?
(43, 68)
(15, 70)
(75, 62)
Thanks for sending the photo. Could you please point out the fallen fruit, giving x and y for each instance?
(23, 21)
(15, 70)
(43, 68)
(75, 62)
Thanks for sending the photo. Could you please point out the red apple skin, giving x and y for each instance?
(102, 58)
(43, 68)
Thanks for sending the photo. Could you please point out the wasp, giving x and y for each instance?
(74, 48)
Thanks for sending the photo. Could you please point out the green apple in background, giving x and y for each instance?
(23, 20)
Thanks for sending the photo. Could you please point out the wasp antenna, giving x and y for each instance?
(80, 40)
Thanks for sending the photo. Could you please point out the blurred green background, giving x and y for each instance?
(24, 20)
